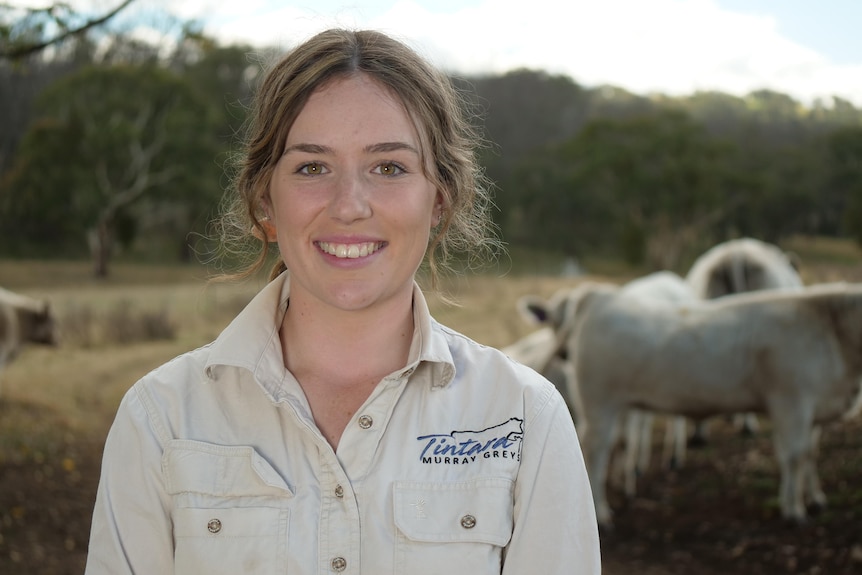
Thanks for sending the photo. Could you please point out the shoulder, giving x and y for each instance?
(171, 384)
(483, 365)
(184, 369)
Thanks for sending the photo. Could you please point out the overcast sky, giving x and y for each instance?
(805, 48)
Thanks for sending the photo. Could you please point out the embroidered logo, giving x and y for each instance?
(501, 441)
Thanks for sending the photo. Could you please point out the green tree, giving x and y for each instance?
(646, 185)
(225, 75)
(112, 146)
(784, 189)
(721, 114)
(523, 110)
(845, 158)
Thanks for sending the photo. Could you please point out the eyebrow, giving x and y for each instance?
(391, 147)
(308, 149)
(373, 148)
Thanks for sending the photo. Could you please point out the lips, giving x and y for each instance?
(350, 251)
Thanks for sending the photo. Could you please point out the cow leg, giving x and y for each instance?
(700, 434)
(746, 423)
(813, 490)
(637, 442)
(618, 458)
(645, 442)
(673, 454)
(792, 438)
(597, 439)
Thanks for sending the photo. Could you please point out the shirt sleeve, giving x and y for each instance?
(131, 529)
(555, 529)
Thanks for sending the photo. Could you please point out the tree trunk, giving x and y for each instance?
(100, 241)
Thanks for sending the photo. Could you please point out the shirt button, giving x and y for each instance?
(214, 525)
(468, 522)
(365, 421)
(338, 564)
(339, 491)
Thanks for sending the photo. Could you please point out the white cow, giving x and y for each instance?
(542, 351)
(737, 266)
(653, 289)
(742, 265)
(795, 355)
(23, 320)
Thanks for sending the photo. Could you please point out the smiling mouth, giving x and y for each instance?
(350, 251)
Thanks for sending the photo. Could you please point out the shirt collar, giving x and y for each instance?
(430, 344)
(251, 341)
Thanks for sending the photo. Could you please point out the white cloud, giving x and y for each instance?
(670, 46)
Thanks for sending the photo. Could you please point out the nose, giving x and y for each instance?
(350, 199)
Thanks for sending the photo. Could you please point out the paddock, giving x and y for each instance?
(718, 514)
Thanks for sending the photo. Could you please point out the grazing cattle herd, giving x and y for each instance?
(738, 334)
(738, 266)
(23, 320)
(791, 352)
(664, 286)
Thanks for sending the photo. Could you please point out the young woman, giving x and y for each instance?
(334, 426)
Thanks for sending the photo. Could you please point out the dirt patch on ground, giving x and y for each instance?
(718, 514)
(47, 490)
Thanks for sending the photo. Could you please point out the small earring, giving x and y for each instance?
(438, 216)
(269, 232)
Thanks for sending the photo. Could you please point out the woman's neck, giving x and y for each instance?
(346, 348)
(338, 357)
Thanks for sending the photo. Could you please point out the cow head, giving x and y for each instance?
(559, 312)
(42, 326)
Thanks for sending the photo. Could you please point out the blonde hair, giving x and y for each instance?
(448, 139)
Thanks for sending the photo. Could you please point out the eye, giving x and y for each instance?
(311, 169)
(389, 169)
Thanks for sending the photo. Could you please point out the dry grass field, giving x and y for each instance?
(716, 515)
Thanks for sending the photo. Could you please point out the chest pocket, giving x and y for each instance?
(452, 527)
(230, 512)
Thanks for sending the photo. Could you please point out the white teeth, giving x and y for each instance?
(351, 251)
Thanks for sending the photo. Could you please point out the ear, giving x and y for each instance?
(265, 230)
(437, 214)
(533, 310)
(794, 260)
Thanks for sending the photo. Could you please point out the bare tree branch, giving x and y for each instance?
(14, 53)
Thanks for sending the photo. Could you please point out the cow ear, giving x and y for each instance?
(533, 309)
(794, 260)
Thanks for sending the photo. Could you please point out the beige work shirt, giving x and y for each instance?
(462, 462)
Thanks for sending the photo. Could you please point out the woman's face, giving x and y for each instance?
(349, 200)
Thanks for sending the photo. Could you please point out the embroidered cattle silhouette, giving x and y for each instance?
(500, 441)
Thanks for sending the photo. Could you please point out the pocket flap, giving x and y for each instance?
(480, 510)
(221, 470)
